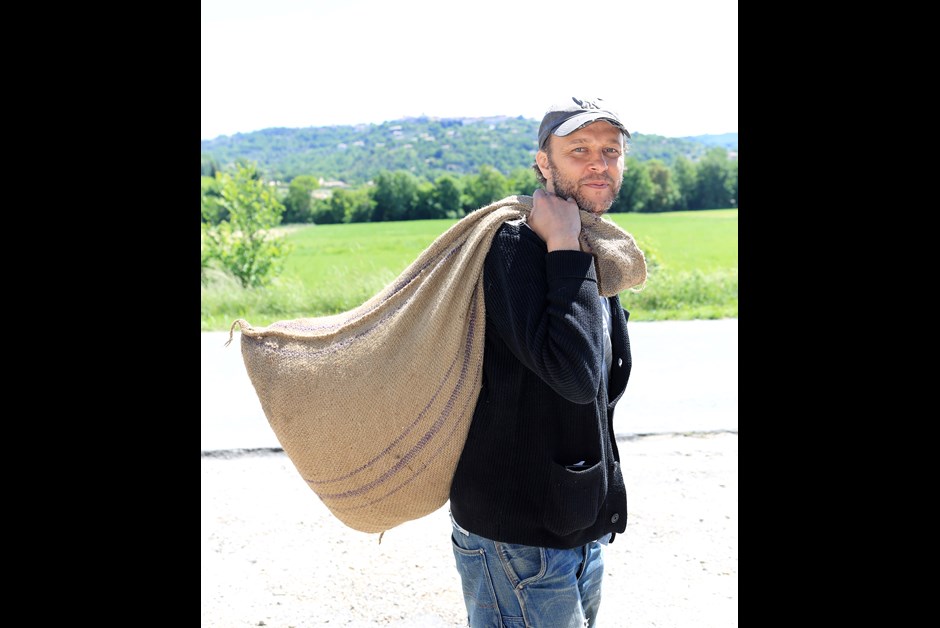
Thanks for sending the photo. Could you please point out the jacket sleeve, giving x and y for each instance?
(545, 307)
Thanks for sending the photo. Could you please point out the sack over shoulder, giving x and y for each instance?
(372, 406)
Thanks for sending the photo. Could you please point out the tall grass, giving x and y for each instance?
(692, 259)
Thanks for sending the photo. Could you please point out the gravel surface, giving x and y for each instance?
(273, 555)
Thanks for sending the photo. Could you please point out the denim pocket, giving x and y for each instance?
(475, 579)
(574, 498)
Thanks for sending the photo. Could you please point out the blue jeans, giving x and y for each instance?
(506, 585)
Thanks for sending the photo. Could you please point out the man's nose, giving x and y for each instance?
(599, 162)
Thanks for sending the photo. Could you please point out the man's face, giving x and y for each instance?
(586, 165)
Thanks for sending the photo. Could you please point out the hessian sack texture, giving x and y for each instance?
(372, 406)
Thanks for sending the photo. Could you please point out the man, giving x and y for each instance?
(538, 489)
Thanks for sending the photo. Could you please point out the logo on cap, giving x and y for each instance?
(586, 104)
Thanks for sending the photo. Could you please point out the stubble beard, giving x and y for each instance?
(565, 188)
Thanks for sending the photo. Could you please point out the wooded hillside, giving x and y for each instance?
(427, 147)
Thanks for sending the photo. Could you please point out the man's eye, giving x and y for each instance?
(613, 150)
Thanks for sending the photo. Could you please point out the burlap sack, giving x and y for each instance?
(372, 406)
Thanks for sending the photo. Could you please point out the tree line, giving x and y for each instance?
(648, 186)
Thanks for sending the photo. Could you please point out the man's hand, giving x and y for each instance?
(555, 220)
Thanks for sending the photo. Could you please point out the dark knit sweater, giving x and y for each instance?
(542, 405)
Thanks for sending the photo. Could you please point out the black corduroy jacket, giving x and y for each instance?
(543, 407)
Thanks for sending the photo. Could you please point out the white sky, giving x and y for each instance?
(668, 67)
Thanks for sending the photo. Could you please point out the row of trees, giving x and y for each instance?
(648, 186)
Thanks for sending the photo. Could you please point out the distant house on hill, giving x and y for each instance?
(326, 188)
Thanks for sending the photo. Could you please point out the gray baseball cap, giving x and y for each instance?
(568, 117)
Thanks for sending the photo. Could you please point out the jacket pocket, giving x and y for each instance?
(574, 498)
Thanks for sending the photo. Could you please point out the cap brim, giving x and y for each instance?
(575, 122)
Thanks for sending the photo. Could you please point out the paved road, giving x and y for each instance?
(684, 379)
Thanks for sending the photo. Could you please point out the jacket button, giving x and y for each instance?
(619, 361)
(614, 518)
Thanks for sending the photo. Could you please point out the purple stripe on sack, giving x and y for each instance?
(429, 435)
(400, 437)
(443, 443)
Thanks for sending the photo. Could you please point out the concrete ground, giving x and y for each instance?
(273, 555)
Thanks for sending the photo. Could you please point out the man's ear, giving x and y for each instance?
(541, 159)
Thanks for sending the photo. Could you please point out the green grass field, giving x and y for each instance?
(692, 257)
(686, 241)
